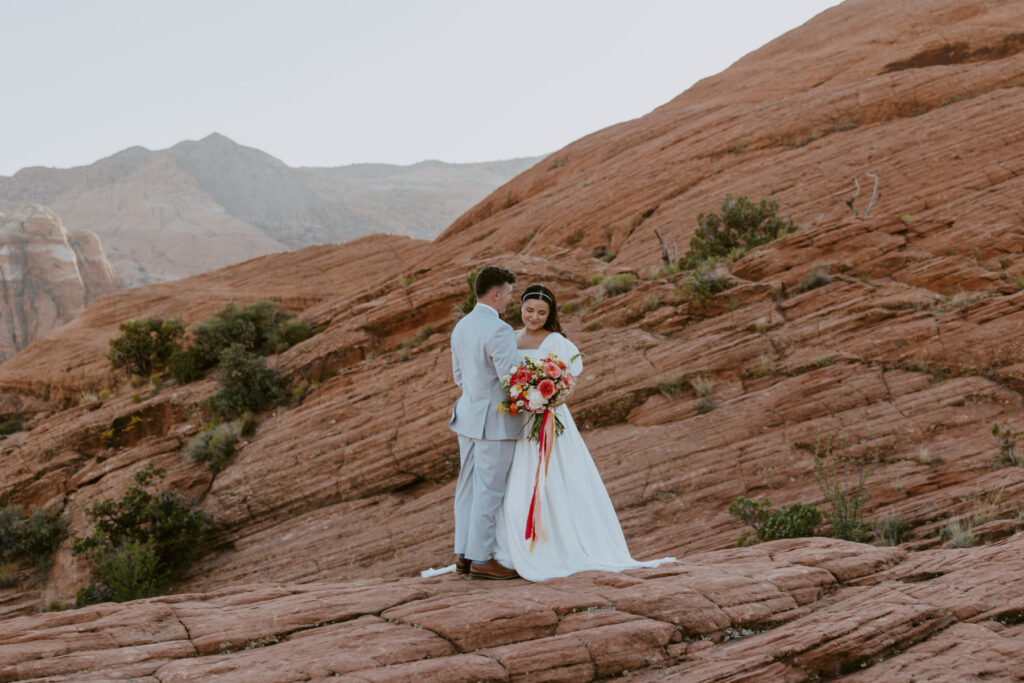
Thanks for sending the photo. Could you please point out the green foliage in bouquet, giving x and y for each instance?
(139, 544)
(740, 226)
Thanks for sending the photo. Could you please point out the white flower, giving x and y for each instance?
(513, 370)
(534, 398)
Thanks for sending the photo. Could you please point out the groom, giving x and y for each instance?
(483, 351)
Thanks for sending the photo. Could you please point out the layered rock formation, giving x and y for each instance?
(808, 609)
(903, 358)
(47, 275)
(202, 205)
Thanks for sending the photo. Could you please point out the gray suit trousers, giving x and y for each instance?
(478, 494)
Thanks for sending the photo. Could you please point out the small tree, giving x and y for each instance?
(246, 384)
(846, 500)
(146, 346)
(140, 543)
(741, 225)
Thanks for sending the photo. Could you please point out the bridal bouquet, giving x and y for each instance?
(538, 386)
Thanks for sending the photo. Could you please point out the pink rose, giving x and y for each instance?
(547, 388)
(552, 370)
(522, 378)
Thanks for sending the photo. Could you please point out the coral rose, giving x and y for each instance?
(522, 378)
(547, 388)
(552, 370)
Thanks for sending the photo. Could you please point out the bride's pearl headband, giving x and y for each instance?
(530, 295)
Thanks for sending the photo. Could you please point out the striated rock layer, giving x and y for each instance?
(47, 275)
(795, 610)
(902, 359)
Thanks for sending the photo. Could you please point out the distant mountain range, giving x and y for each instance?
(198, 206)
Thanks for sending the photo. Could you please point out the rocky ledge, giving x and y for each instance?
(793, 610)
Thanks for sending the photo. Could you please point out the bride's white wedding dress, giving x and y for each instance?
(579, 527)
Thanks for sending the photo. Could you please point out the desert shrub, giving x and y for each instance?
(214, 445)
(1006, 437)
(188, 365)
(567, 307)
(35, 536)
(260, 328)
(845, 499)
(246, 383)
(128, 572)
(817, 277)
(740, 225)
(8, 574)
(620, 283)
(890, 530)
(790, 521)
(10, 426)
(140, 543)
(146, 346)
(469, 302)
(706, 405)
(701, 284)
(247, 423)
(960, 533)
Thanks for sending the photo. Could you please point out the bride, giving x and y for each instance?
(578, 528)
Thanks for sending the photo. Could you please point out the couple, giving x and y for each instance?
(499, 465)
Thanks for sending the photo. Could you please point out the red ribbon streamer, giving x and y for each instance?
(545, 443)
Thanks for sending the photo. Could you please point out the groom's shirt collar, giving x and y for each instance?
(481, 305)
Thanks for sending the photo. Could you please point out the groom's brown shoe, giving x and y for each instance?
(462, 564)
(491, 570)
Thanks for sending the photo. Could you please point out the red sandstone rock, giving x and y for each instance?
(905, 371)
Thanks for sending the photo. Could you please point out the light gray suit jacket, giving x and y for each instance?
(483, 351)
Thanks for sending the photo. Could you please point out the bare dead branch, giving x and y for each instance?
(664, 249)
(874, 195)
(851, 200)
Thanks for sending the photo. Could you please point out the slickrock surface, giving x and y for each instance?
(47, 275)
(790, 610)
(201, 205)
(903, 360)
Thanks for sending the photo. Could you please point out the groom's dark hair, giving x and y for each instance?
(490, 277)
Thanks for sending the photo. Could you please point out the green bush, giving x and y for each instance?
(818, 277)
(791, 521)
(260, 328)
(890, 530)
(10, 426)
(128, 572)
(8, 575)
(140, 543)
(146, 346)
(214, 445)
(846, 500)
(702, 284)
(469, 302)
(246, 383)
(35, 536)
(620, 283)
(741, 225)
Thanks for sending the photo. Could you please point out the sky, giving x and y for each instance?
(335, 82)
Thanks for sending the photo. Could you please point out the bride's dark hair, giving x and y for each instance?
(546, 295)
